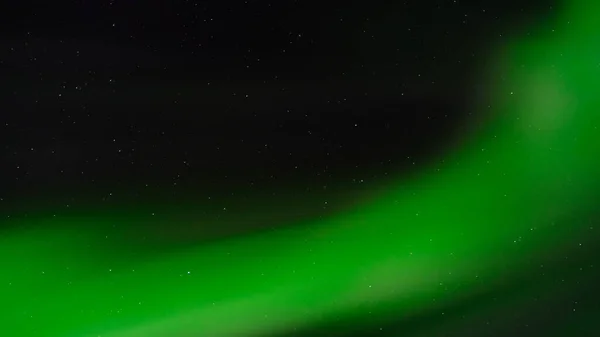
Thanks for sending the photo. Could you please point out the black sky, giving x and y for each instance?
(113, 103)
(108, 103)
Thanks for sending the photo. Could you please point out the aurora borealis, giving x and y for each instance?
(460, 248)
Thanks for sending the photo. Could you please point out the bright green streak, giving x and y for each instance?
(511, 193)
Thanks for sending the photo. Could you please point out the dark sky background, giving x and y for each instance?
(268, 112)
(155, 99)
(285, 106)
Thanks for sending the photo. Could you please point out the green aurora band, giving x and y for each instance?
(512, 199)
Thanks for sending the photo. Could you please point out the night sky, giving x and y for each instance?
(185, 124)
(194, 95)
(164, 103)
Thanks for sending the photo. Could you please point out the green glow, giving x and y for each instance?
(511, 193)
